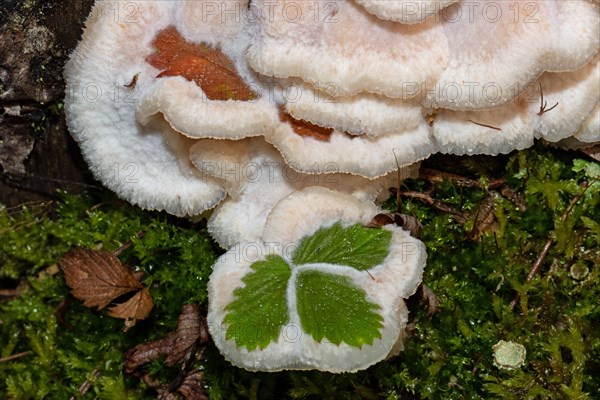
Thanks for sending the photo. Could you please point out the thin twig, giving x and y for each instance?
(458, 217)
(485, 126)
(14, 356)
(9, 292)
(95, 207)
(131, 85)
(59, 313)
(127, 244)
(544, 104)
(542, 256)
(87, 385)
(29, 206)
(398, 183)
(418, 195)
(433, 175)
(21, 225)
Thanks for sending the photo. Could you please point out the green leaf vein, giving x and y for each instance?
(332, 307)
(259, 311)
(355, 246)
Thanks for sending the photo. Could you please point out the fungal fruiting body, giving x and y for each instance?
(257, 109)
(315, 291)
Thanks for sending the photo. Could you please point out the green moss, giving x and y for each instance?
(66, 341)
(447, 356)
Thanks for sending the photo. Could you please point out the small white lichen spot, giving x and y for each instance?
(509, 355)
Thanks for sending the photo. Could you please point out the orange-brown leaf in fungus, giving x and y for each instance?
(209, 68)
(305, 128)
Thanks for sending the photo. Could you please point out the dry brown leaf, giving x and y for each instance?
(192, 388)
(179, 347)
(430, 298)
(97, 277)
(176, 346)
(484, 217)
(405, 221)
(434, 175)
(138, 307)
(380, 220)
(593, 152)
(209, 68)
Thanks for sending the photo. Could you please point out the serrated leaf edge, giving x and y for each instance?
(341, 225)
(291, 296)
(333, 269)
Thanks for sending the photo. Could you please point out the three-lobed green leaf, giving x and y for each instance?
(331, 307)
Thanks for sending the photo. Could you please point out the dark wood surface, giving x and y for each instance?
(37, 154)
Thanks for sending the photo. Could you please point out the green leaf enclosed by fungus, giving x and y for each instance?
(331, 307)
(355, 246)
(260, 309)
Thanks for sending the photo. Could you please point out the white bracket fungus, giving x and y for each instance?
(405, 11)
(318, 290)
(135, 161)
(192, 115)
(257, 177)
(348, 48)
(589, 132)
(292, 118)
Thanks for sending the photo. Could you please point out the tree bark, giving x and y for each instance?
(37, 154)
